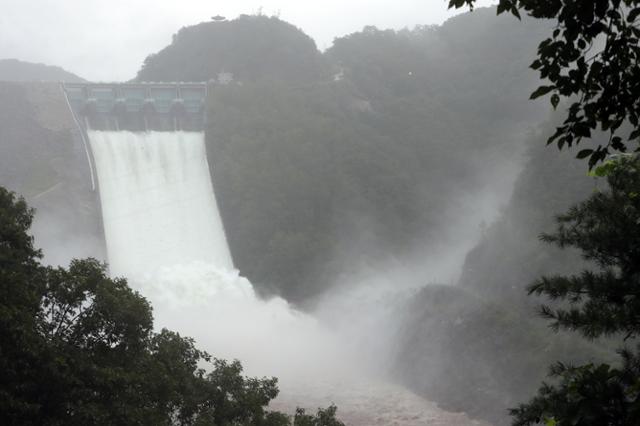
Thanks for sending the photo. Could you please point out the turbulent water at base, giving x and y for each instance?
(163, 232)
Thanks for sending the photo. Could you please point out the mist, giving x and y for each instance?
(346, 197)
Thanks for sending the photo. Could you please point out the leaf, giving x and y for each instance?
(596, 67)
(541, 91)
(584, 154)
(633, 14)
(604, 170)
(555, 100)
(616, 143)
(503, 6)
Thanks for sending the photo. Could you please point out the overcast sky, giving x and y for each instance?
(107, 40)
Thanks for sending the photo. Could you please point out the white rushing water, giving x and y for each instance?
(164, 233)
(158, 205)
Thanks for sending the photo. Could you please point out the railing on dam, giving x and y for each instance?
(138, 106)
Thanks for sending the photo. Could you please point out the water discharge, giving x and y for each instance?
(163, 232)
(158, 204)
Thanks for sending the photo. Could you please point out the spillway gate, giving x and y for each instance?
(138, 106)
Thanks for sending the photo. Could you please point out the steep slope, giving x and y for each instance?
(479, 346)
(510, 255)
(42, 158)
(318, 179)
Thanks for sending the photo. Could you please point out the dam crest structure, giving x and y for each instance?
(138, 106)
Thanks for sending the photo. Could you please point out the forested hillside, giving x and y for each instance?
(251, 48)
(356, 154)
(318, 179)
(510, 255)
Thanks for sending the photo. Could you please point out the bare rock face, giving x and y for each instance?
(369, 403)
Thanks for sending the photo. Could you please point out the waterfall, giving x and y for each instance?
(158, 204)
(164, 233)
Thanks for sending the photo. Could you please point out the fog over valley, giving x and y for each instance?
(332, 214)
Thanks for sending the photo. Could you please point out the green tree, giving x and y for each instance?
(600, 302)
(324, 417)
(78, 348)
(20, 280)
(591, 58)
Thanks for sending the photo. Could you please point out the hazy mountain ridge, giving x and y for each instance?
(249, 48)
(16, 70)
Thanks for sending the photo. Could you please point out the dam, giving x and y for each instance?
(138, 106)
(146, 144)
(163, 232)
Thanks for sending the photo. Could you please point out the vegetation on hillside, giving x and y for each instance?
(250, 48)
(509, 255)
(307, 175)
(591, 58)
(602, 300)
(314, 179)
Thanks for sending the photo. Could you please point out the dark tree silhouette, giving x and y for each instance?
(600, 302)
(591, 59)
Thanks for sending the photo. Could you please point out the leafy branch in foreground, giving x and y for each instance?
(591, 58)
(586, 395)
(606, 229)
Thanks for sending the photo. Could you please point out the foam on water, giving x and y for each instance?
(164, 233)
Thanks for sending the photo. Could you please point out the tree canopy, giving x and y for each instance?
(591, 59)
(249, 48)
(78, 348)
(603, 301)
